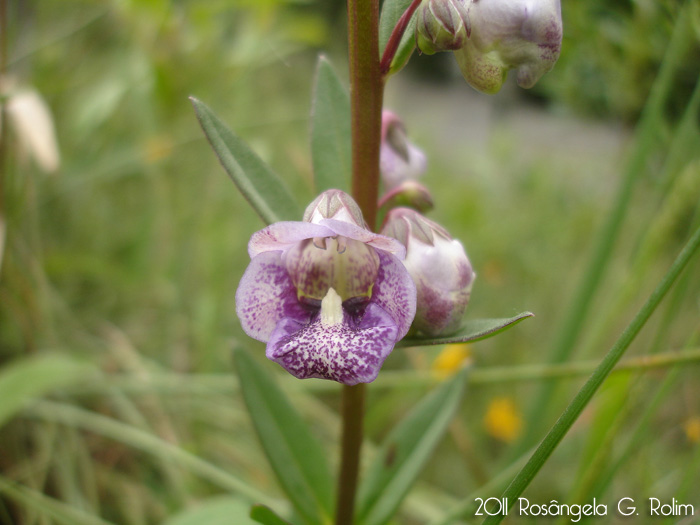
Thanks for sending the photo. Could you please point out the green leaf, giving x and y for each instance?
(223, 510)
(266, 516)
(330, 130)
(585, 394)
(293, 452)
(472, 330)
(391, 12)
(30, 378)
(406, 450)
(261, 187)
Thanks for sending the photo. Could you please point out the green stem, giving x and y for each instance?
(580, 401)
(352, 412)
(366, 94)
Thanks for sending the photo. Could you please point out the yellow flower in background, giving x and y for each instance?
(503, 420)
(692, 429)
(453, 358)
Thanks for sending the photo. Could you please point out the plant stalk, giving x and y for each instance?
(366, 94)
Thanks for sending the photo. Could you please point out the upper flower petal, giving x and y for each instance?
(395, 292)
(344, 352)
(281, 236)
(380, 242)
(265, 295)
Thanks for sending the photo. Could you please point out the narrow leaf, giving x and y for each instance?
(28, 379)
(266, 516)
(260, 186)
(473, 330)
(223, 510)
(330, 130)
(391, 12)
(583, 397)
(406, 450)
(293, 452)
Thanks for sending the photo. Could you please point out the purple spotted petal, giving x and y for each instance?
(381, 242)
(395, 292)
(347, 352)
(284, 235)
(265, 295)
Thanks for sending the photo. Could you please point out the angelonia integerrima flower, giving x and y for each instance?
(439, 267)
(399, 159)
(442, 25)
(524, 35)
(329, 297)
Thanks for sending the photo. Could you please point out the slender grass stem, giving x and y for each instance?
(647, 135)
(580, 401)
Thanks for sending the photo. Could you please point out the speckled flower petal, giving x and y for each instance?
(395, 292)
(265, 295)
(343, 352)
(281, 236)
(381, 242)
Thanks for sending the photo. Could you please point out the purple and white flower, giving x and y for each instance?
(524, 35)
(328, 296)
(439, 267)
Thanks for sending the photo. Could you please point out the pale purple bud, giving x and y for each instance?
(439, 267)
(399, 159)
(334, 204)
(442, 25)
(524, 35)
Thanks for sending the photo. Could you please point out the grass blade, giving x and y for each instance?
(473, 330)
(56, 510)
(293, 452)
(406, 450)
(571, 413)
(330, 130)
(27, 379)
(260, 186)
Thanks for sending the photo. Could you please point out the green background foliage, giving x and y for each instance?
(117, 316)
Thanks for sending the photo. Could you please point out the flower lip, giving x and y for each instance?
(330, 298)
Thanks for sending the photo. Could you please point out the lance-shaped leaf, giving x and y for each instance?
(260, 186)
(330, 130)
(391, 12)
(406, 450)
(472, 330)
(293, 452)
(220, 510)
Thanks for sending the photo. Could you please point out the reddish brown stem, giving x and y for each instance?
(392, 44)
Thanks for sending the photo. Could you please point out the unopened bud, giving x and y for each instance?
(399, 159)
(409, 194)
(439, 267)
(510, 34)
(442, 25)
(334, 204)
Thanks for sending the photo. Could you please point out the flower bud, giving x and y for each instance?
(334, 204)
(399, 159)
(442, 25)
(410, 194)
(510, 34)
(439, 267)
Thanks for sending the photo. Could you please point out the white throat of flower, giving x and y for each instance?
(331, 309)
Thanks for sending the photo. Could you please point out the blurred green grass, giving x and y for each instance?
(127, 260)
